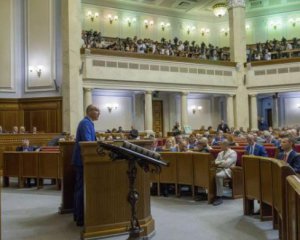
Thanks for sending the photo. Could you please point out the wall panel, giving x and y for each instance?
(7, 83)
(40, 45)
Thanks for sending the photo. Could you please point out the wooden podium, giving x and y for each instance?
(106, 210)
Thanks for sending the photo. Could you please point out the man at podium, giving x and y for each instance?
(85, 132)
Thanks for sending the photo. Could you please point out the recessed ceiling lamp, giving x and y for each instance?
(219, 9)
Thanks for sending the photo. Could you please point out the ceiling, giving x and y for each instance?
(197, 9)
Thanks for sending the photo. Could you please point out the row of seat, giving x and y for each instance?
(265, 181)
(196, 170)
(25, 165)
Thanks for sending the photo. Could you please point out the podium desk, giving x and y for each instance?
(106, 210)
(68, 177)
(68, 173)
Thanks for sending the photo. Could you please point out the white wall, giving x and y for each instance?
(200, 117)
(122, 116)
(291, 111)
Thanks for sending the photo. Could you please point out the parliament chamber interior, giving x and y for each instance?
(150, 119)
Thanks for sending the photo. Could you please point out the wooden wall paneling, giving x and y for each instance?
(52, 120)
(44, 113)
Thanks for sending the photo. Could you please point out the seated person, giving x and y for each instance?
(34, 130)
(219, 138)
(15, 130)
(192, 141)
(202, 145)
(1, 130)
(169, 146)
(134, 133)
(224, 161)
(183, 146)
(269, 138)
(26, 147)
(253, 148)
(22, 130)
(230, 140)
(288, 154)
(120, 130)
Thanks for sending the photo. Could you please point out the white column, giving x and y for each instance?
(72, 80)
(214, 110)
(253, 112)
(230, 112)
(184, 111)
(275, 112)
(148, 111)
(236, 12)
(88, 97)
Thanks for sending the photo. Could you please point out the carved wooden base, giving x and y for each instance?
(118, 229)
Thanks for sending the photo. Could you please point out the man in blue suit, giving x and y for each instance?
(85, 132)
(253, 148)
(289, 155)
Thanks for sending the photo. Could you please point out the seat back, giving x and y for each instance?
(251, 172)
(293, 207)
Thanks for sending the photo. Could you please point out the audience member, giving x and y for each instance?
(26, 147)
(223, 127)
(288, 154)
(134, 133)
(34, 130)
(15, 130)
(202, 145)
(224, 161)
(1, 130)
(169, 145)
(218, 138)
(22, 130)
(253, 148)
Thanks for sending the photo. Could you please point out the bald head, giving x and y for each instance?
(93, 112)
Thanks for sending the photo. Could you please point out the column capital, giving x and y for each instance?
(253, 95)
(236, 4)
(87, 89)
(230, 95)
(185, 93)
(148, 92)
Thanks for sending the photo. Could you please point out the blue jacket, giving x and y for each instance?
(258, 150)
(293, 160)
(85, 132)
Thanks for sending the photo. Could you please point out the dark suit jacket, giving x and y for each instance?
(25, 149)
(258, 150)
(293, 160)
(223, 127)
(85, 132)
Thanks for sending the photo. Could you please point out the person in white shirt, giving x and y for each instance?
(224, 161)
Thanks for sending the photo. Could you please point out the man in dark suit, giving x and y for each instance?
(85, 132)
(289, 155)
(133, 133)
(223, 127)
(26, 147)
(253, 148)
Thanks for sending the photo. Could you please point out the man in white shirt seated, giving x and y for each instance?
(225, 159)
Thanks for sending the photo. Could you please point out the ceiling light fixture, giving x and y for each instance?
(219, 9)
